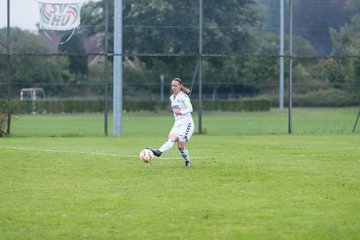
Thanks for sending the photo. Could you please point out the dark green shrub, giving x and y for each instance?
(87, 106)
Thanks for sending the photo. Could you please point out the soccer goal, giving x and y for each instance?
(32, 94)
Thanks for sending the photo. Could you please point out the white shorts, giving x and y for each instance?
(183, 129)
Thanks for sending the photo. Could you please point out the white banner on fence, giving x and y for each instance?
(59, 14)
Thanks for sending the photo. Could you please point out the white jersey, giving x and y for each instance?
(181, 101)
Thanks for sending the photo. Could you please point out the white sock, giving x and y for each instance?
(166, 146)
(185, 154)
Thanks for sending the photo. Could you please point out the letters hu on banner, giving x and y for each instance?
(59, 15)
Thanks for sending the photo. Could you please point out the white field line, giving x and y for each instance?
(77, 152)
(64, 151)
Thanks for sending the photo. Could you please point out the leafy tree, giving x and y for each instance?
(162, 26)
(353, 6)
(270, 11)
(346, 42)
(312, 19)
(3, 77)
(78, 62)
(171, 27)
(93, 21)
(29, 71)
(338, 72)
(257, 70)
(219, 72)
(228, 26)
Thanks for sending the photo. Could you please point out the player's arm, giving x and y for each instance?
(188, 106)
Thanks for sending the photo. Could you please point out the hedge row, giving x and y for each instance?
(327, 98)
(247, 105)
(323, 98)
(89, 106)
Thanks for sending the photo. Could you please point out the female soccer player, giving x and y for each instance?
(183, 127)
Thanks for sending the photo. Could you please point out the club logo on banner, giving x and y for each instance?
(59, 15)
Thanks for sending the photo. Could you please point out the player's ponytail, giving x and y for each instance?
(183, 88)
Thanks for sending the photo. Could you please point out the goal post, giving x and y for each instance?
(34, 94)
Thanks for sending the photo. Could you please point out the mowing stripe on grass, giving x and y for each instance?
(79, 152)
(63, 151)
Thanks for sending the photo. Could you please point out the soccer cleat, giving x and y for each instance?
(156, 152)
(187, 164)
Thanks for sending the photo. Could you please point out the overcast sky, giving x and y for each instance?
(24, 13)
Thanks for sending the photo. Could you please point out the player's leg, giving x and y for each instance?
(185, 133)
(184, 152)
(167, 145)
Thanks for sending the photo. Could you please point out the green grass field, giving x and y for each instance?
(249, 178)
(305, 121)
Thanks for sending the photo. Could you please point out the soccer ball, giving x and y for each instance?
(146, 155)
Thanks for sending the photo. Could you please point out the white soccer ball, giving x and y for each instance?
(146, 155)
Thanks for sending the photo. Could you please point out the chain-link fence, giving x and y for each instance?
(64, 49)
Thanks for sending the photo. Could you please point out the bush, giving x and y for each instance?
(87, 106)
(3, 118)
(327, 98)
(237, 105)
(321, 98)
(3, 124)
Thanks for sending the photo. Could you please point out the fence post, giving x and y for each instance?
(106, 67)
(281, 80)
(200, 63)
(8, 70)
(290, 65)
(117, 86)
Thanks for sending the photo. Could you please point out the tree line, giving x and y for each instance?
(244, 33)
